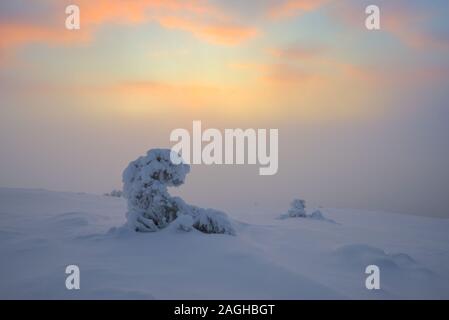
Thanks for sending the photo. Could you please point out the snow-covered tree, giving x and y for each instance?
(297, 208)
(151, 207)
(145, 182)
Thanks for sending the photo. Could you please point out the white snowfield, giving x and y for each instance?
(41, 232)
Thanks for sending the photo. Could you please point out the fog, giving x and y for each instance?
(395, 161)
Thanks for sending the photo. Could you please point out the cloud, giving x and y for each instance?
(278, 73)
(286, 74)
(290, 8)
(411, 22)
(150, 86)
(207, 22)
(12, 35)
(298, 52)
(203, 20)
(215, 33)
(301, 64)
(139, 11)
(295, 63)
(412, 28)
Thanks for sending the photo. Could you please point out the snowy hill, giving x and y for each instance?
(41, 232)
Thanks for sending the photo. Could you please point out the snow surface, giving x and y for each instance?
(41, 232)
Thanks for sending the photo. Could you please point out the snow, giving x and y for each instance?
(42, 232)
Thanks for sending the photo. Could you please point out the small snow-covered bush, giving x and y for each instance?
(213, 221)
(151, 207)
(115, 193)
(297, 209)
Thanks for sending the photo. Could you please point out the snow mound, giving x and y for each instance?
(401, 276)
(151, 207)
(70, 219)
(362, 254)
(317, 215)
(183, 223)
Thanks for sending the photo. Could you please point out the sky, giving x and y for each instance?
(362, 115)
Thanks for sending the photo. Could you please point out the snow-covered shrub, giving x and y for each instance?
(115, 193)
(297, 209)
(151, 207)
(212, 221)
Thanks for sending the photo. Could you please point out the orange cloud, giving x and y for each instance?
(206, 22)
(139, 11)
(12, 35)
(216, 33)
(292, 7)
(197, 17)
